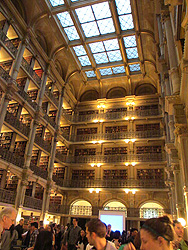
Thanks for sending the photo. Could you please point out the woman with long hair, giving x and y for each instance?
(44, 241)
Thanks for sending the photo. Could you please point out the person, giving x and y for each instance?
(41, 226)
(43, 241)
(132, 246)
(109, 234)
(133, 233)
(7, 218)
(58, 236)
(179, 243)
(19, 228)
(73, 234)
(82, 241)
(116, 239)
(157, 234)
(96, 235)
(64, 237)
(50, 229)
(9, 238)
(33, 236)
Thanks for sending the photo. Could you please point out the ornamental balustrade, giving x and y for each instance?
(4, 74)
(7, 196)
(32, 202)
(147, 157)
(52, 97)
(8, 44)
(118, 135)
(30, 71)
(42, 143)
(16, 123)
(39, 171)
(11, 157)
(23, 94)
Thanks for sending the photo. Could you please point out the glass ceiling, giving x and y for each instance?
(109, 46)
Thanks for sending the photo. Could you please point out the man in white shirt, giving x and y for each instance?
(96, 233)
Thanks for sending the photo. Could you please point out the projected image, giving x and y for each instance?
(115, 219)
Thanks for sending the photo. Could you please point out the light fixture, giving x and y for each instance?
(126, 118)
(98, 165)
(97, 190)
(126, 140)
(132, 118)
(91, 190)
(126, 164)
(182, 221)
(133, 163)
(127, 191)
(133, 140)
(95, 121)
(94, 142)
(100, 142)
(101, 120)
(92, 165)
(133, 191)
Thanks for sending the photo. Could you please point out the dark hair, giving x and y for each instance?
(161, 226)
(35, 224)
(11, 229)
(96, 226)
(137, 241)
(75, 218)
(116, 234)
(44, 241)
(133, 229)
(176, 222)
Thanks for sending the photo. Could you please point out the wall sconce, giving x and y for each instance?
(95, 121)
(101, 106)
(133, 191)
(96, 165)
(128, 140)
(97, 190)
(130, 103)
(130, 163)
(129, 118)
(94, 142)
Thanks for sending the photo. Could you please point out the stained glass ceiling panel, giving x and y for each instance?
(134, 67)
(90, 73)
(129, 41)
(56, 2)
(123, 7)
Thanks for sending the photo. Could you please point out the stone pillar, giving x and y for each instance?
(33, 189)
(3, 179)
(171, 127)
(16, 65)
(160, 30)
(174, 74)
(178, 191)
(4, 103)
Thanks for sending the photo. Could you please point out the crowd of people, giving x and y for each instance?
(156, 234)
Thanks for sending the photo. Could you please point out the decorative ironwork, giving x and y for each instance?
(7, 196)
(11, 157)
(32, 202)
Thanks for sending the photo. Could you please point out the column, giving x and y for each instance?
(171, 127)
(3, 179)
(4, 103)
(174, 74)
(178, 191)
(161, 42)
(16, 65)
(33, 189)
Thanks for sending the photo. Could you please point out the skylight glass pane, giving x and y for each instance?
(106, 26)
(101, 58)
(96, 47)
(79, 50)
(123, 7)
(114, 56)
(90, 29)
(134, 67)
(105, 72)
(90, 73)
(126, 22)
(56, 2)
(130, 41)
(118, 70)
(74, 0)
(84, 60)
(101, 10)
(85, 14)
(65, 19)
(132, 53)
(72, 33)
(111, 44)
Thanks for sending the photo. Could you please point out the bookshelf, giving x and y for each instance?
(116, 129)
(44, 162)
(39, 191)
(59, 172)
(83, 174)
(15, 42)
(12, 182)
(33, 94)
(39, 72)
(157, 174)
(56, 199)
(6, 65)
(62, 149)
(21, 81)
(29, 189)
(48, 137)
(85, 151)
(45, 106)
(145, 127)
(115, 151)
(88, 112)
(52, 114)
(56, 94)
(115, 174)
(13, 108)
(148, 149)
(65, 130)
(5, 139)
(146, 107)
(39, 130)
(19, 147)
(26, 119)
(86, 131)
(34, 157)
(112, 110)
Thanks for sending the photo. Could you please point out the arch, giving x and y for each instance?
(116, 92)
(58, 67)
(145, 89)
(81, 207)
(42, 41)
(115, 206)
(89, 95)
(151, 209)
(20, 8)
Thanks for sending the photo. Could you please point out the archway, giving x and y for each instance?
(151, 210)
(81, 207)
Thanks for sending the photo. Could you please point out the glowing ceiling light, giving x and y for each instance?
(100, 142)
(132, 118)
(97, 190)
(95, 121)
(126, 164)
(94, 142)
(126, 118)
(92, 165)
(133, 191)
(133, 163)
(101, 120)
(91, 190)
(126, 140)
(127, 191)
(98, 165)
(133, 140)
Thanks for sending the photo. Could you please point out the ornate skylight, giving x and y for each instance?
(91, 31)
